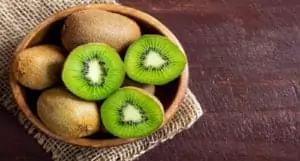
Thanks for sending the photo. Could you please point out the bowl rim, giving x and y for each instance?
(117, 8)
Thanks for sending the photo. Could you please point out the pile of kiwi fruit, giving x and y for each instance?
(103, 75)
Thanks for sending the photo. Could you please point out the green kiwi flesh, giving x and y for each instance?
(93, 71)
(131, 113)
(154, 59)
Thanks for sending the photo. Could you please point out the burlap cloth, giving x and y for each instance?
(17, 18)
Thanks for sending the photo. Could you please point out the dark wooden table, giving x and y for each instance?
(244, 60)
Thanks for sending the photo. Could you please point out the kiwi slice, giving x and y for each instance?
(93, 71)
(131, 113)
(154, 59)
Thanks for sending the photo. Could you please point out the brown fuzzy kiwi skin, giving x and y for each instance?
(67, 115)
(146, 87)
(38, 67)
(95, 25)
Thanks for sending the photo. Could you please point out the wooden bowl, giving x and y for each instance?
(49, 32)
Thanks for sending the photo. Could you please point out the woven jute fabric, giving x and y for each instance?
(17, 18)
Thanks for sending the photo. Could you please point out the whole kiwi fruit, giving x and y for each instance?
(95, 25)
(146, 87)
(38, 67)
(67, 115)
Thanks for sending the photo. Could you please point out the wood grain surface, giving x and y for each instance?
(244, 60)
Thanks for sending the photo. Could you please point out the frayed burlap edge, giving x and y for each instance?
(17, 18)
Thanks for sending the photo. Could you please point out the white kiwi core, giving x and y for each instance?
(131, 114)
(94, 72)
(154, 59)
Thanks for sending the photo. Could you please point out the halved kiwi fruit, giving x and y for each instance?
(93, 71)
(131, 113)
(154, 59)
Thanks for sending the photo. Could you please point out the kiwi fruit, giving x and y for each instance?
(147, 87)
(95, 25)
(131, 112)
(67, 115)
(154, 59)
(93, 71)
(38, 67)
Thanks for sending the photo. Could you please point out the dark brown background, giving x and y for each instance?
(244, 60)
